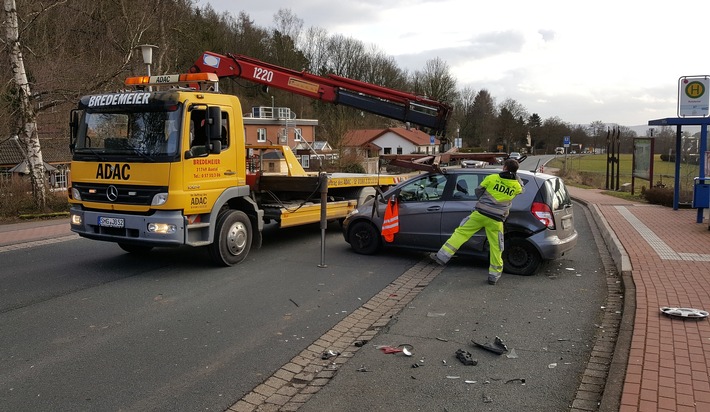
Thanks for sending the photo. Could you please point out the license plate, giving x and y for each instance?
(111, 221)
(566, 224)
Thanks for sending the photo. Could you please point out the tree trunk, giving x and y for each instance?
(27, 122)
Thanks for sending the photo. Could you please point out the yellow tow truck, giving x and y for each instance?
(165, 164)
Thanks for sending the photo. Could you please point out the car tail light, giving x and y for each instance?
(543, 213)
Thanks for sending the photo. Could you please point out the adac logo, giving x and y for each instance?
(113, 171)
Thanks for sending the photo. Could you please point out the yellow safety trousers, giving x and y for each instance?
(474, 223)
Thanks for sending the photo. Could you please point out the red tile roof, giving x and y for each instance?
(359, 138)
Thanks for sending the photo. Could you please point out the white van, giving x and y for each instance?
(559, 150)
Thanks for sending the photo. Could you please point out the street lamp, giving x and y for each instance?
(147, 51)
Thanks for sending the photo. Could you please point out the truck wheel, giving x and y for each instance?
(136, 249)
(520, 257)
(232, 238)
(364, 238)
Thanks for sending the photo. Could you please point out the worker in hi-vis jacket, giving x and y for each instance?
(495, 195)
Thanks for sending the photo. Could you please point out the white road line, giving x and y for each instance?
(27, 245)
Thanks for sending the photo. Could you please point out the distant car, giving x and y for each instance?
(559, 150)
(476, 164)
(515, 155)
(540, 226)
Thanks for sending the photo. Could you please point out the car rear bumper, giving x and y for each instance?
(551, 246)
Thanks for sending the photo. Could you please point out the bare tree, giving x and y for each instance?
(27, 115)
(436, 81)
(511, 125)
(552, 132)
(463, 113)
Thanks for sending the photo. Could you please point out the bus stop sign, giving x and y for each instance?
(693, 96)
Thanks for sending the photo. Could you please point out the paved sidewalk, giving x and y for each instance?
(19, 235)
(664, 256)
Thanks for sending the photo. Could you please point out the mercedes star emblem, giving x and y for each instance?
(112, 193)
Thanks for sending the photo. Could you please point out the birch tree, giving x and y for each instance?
(26, 114)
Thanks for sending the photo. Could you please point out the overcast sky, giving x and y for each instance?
(613, 61)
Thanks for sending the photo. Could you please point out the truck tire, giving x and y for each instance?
(232, 238)
(364, 238)
(135, 249)
(520, 257)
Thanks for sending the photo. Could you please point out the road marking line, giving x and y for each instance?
(27, 245)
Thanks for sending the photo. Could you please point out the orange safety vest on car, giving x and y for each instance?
(390, 225)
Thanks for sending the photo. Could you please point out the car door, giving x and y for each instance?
(420, 206)
(460, 202)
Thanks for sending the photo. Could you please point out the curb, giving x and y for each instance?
(613, 387)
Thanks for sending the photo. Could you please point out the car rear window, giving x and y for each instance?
(556, 194)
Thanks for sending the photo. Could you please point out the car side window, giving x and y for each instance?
(427, 188)
(465, 186)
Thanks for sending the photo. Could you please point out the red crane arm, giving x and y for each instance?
(379, 100)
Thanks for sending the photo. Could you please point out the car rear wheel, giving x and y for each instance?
(520, 257)
(364, 238)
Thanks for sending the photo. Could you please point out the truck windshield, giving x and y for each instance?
(153, 135)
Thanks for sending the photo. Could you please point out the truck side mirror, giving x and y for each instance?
(215, 146)
(196, 151)
(73, 127)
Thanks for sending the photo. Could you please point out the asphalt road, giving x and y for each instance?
(87, 327)
(549, 320)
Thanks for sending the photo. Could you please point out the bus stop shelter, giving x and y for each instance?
(702, 186)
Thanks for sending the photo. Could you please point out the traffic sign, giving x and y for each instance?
(566, 141)
(693, 96)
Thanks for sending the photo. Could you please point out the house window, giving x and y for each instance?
(283, 136)
(261, 135)
(297, 135)
(399, 150)
(306, 161)
(60, 178)
(388, 150)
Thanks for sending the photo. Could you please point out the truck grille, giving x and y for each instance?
(118, 194)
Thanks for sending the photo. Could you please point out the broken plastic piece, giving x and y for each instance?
(500, 343)
(466, 358)
(495, 349)
(360, 343)
(521, 380)
(329, 354)
(390, 349)
(404, 348)
(512, 354)
(362, 368)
